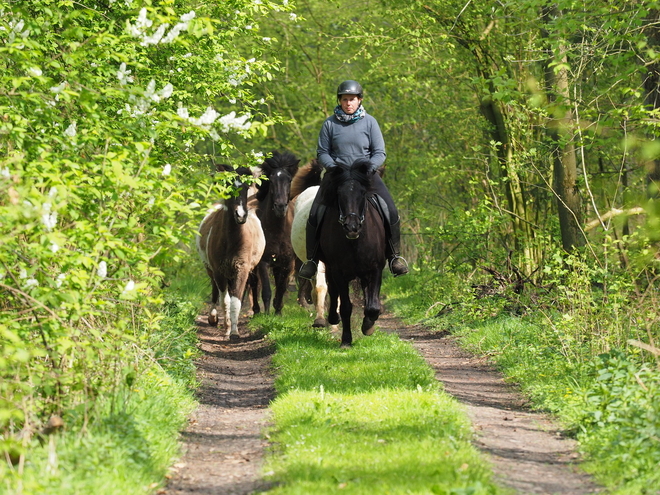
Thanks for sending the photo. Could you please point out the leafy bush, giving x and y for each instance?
(106, 113)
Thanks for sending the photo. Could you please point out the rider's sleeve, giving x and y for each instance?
(377, 145)
(323, 146)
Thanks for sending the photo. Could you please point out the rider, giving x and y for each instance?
(348, 135)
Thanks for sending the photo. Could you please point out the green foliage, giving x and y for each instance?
(110, 115)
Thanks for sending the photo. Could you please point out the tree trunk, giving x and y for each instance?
(560, 130)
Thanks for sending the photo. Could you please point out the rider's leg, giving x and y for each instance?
(398, 265)
(309, 267)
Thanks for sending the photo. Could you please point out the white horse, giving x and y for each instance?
(302, 205)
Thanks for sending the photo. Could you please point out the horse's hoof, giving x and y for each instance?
(234, 337)
(367, 326)
(345, 345)
(319, 323)
(333, 320)
(213, 321)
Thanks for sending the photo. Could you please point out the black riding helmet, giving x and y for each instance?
(349, 88)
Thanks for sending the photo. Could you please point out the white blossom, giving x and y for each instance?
(231, 121)
(141, 24)
(130, 286)
(188, 17)
(54, 247)
(58, 281)
(31, 282)
(155, 37)
(4, 172)
(182, 112)
(266, 39)
(48, 218)
(207, 118)
(53, 192)
(292, 16)
(59, 88)
(22, 273)
(34, 71)
(124, 75)
(167, 169)
(167, 91)
(71, 130)
(102, 269)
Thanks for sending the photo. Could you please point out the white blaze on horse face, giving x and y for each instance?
(241, 212)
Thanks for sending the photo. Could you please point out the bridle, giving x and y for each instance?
(360, 217)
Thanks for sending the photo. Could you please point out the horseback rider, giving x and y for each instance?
(347, 135)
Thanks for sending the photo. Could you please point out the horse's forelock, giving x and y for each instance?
(286, 161)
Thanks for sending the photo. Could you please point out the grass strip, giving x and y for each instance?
(370, 419)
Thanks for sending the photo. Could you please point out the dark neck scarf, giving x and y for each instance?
(344, 117)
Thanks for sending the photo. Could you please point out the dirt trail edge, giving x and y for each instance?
(224, 446)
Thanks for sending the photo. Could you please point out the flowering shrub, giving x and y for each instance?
(103, 111)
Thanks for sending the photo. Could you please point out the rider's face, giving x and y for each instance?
(350, 103)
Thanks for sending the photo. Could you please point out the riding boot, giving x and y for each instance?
(309, 267)
(398, 265)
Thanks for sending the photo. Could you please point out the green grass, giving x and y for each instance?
(370, 419)
(125, 450)
(608, 402)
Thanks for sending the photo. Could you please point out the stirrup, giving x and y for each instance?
(398, 265)
(308, 269)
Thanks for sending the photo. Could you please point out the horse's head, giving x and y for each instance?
(237, 203)
(280, 169)
(352, 185)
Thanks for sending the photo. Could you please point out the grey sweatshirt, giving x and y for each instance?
(342, 143)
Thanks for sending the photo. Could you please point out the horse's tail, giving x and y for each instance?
(307, 176)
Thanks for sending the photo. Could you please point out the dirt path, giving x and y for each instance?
(224, 448)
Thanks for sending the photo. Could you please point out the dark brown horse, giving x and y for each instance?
(352, 246)
(276, 217)
(230, 243)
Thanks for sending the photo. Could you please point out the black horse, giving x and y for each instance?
(276, 217)
(352, 245)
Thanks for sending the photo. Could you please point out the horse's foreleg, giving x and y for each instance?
(264, 279)
(225, 307)
(333, 315)
(345, 310)
(319, 296)
(281, 275)
(372, 306)
(213, 312)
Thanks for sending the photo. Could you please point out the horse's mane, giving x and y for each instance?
(307, 176)
(359, 171)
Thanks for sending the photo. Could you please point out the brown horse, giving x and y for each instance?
(352, 246)
(276, 217)
(230, 243)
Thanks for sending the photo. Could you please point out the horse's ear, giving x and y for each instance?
(363, 166)
(223, 167)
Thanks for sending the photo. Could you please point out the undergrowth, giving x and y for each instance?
(124, 441)
(574, 363)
